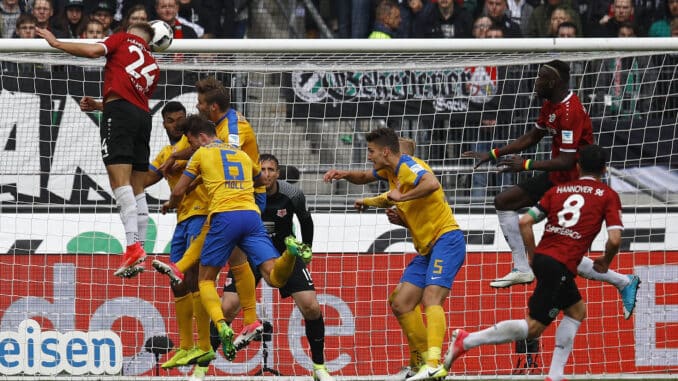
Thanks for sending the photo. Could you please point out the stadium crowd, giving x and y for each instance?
(352, 18)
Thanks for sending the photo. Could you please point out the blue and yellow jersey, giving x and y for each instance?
(234, 129)
(428, 217)
(195, 202)
(237, 131)
(228, 174)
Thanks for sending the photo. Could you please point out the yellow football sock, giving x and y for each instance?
(412, 324)
(202, 322)
(282, 269)
(184, 310)
(192, 254)
(244, 285)
(210, 300)
(435, 333)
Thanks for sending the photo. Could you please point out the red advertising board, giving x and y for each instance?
(363, 338)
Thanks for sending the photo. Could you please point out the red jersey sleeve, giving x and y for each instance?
(112, 43)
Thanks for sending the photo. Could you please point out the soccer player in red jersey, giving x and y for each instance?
(563, 117)
(574, 213)
(130, 77)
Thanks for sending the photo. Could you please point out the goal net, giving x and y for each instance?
(311, 102)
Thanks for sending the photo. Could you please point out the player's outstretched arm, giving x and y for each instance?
(565, 161)
(427, 185)
(614, 238)
(79, 49)
(528, 139)
(355, 177)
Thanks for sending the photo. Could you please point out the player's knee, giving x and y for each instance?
(310, 311)
(230, 305)
(501, 201)
(179, 290)
(534, 329)
(577, 311)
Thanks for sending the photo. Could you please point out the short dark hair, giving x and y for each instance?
(384, 9)
(384, 137)
(592, 159)
(562, 68)
(194, 125)
(25, 18)
(172, 106)
(214, 92)
(628, 25)
(568, 24)
(496, 28)
(269, 157)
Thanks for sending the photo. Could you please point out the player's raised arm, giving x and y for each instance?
(79, 49)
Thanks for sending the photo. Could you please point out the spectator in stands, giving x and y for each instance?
(137, 13)
(497, 10)
(481, 26)
(559, 15)
(93, 29)
(71, 19)
(626, 30)
(540, 21)
(193, 14)
(104, 14)
(387, 21)
(662, 28)
(567, 30)
(446, 19)
(674, 27)
(408, 10)
(43, 12)
(353, 17)
(9, 14)
(25, 26)
(520, 12)
(168, 11)
(623, 13)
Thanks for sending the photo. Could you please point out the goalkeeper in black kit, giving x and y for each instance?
(283, 201)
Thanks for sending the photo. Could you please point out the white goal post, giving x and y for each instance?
(311, 103)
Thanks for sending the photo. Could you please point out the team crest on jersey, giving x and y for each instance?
(234, 140)
(552, 118)
(281, 213)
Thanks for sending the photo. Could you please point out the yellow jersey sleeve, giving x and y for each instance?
(160, 158)
(195, 202)
(428, 217)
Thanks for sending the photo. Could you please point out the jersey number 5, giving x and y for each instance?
(133, 68)
(571, 212)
